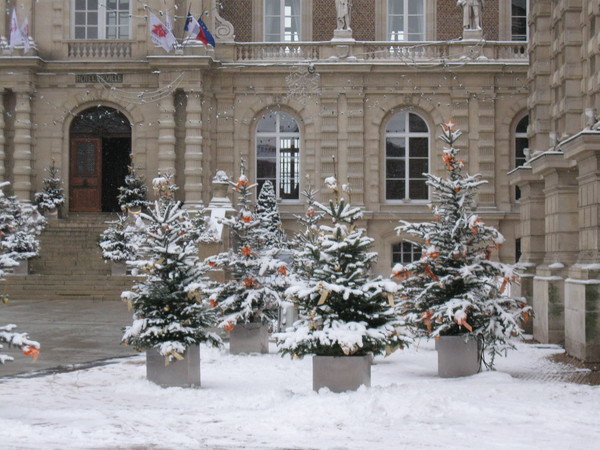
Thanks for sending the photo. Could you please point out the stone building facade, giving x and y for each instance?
(93, 91)
(560, 181)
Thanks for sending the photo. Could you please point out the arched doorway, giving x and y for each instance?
(100, 153)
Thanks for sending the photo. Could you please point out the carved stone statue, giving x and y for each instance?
(343, 14)
(471, 13)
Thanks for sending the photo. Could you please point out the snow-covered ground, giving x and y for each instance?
(266, 401)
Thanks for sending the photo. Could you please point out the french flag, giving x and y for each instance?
(198, 30)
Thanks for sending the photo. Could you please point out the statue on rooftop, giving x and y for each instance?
(471, 13)
(343, 8)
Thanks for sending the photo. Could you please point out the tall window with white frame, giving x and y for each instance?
(282, 20)
(521, 143)
(406, 157)
(405, 252)
(519, 20)
(278, 154)
(406, 20)
(101, 19)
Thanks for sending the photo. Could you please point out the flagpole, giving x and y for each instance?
(185, 23)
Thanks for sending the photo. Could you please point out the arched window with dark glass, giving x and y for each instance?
(406, 157)
(521, 143)
(278, 154)
(405, 252)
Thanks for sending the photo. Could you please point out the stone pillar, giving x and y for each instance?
(532, 229)
(2, 138)
(560, 190)
(193, 150)
(22, 147)
(582, 288)
(166, 136)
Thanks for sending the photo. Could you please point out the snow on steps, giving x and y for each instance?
(70, 264)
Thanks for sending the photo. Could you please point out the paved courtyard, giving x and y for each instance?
(82, 333)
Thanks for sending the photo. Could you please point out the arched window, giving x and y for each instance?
(406, 20)
(405, 252)
(521, 143)
(282, 20)
(278, 154)
(406, 157)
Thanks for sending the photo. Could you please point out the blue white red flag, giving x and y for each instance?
(198, 30)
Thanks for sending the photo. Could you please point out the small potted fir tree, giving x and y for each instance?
(249, 299)
(51, 197)
(120, 243)
(171, 317)
(346, 315)
(133, 196)
(455, 292)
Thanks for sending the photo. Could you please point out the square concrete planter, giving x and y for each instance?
(184, 373)
(457, 357)
(341, 373)
(22, 269)
(249, 338)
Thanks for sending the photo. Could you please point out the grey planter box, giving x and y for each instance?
(22, 269)
(341, 373)
(249, 338)
(184, 373)
(457, 357)
(118, 269)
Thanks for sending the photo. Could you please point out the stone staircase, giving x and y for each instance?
(70, 265)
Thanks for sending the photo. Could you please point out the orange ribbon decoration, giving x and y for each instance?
(402, 274)
(249, 283)
(228, 326)
(282, 270)
(247, 219)
(430, 273)
(31, 351)
(426, 316)
(246, 251)
(462, 322)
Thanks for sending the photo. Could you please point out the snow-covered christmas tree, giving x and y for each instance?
(121, 241)
(170, 314)
(344, 310)
(133, 196)
(267, 213)
(52, 196)
(16, 243)
(456, 288)
(256, 277)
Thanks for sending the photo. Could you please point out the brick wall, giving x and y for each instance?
(450, 17)
(239, 13)
(325, 20)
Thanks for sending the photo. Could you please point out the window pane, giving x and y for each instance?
(92, 18)
(265, 148)
(79, 18)
(416, 124)
(522, 125)
(272, 7)
(289, 169)
(272, 30)
(395, 147)
(93, 4)
(267, 123)
(79, 4)
(394, 190)
(287, 124)
(520, 145)
(394, 168)
(395, 7)
(266, 168)
(417, 167)
(124, 5)
(419, 147)
(415, 7)
(397, 123)
(111, 4)
(92, 33)
(418, 190)
(79, 33)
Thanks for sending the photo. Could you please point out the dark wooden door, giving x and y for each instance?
(86, 175)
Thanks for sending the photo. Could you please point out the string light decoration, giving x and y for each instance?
(303, 82)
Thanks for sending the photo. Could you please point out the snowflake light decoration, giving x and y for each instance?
(303, 82)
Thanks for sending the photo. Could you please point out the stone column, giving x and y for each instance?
(582, 288)
(2, 138)
(560, 190)
(193, 150)
(532, 229)
(22, 147)
(166, 136)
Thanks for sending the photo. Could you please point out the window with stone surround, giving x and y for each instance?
(405, 252)
(521, 143)
(101, 19)
(282, 20)
(519, 20)
(278, 154)
(406, 157)
(406, 20)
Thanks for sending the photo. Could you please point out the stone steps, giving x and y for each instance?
(70, 264)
